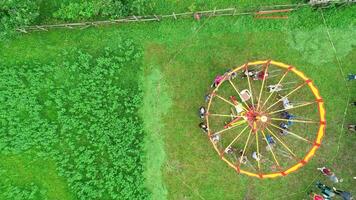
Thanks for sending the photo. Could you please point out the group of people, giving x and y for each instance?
(229, 74)
(327, 192)
(254, 74)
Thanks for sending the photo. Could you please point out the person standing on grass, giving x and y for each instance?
(352, 127)
(315, 196)
(327, 172)
(343, 194)
(351, 77)
(204, 127)
(202, 112)
(326, 191)
(197, 16)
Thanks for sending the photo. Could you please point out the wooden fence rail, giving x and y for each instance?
(174, 16)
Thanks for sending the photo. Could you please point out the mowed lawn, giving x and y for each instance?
(181, 58)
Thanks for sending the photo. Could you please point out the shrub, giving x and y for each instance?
(92, 9)
(15, 14)
(83, 114)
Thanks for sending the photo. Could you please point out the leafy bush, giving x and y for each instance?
(28, 192)
(16, 13)
(83, 114)
(83, 10)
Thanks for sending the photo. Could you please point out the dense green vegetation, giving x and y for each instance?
(82, 114)
(15, 14)
(79, 10)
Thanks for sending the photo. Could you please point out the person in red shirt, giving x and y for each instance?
(327, 172)
(318, 197)
(315, 196)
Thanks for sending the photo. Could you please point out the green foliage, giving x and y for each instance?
(28, 192)
(101, 8)
(83, 114)
(16, 13)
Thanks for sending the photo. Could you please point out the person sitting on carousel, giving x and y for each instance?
(217, 81)
(232, 76)
(256, 156)
(286, 103)
(207, 98)
(274, 88)
(215, 138)
(249, 73)
(284, 128)
(270, 140)
(243, 157)
(260, 75)
(288, 116)
(229, 150)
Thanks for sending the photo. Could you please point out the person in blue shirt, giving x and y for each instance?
(351, 77)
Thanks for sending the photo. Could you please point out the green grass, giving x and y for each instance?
(181, 58)
(156, 103)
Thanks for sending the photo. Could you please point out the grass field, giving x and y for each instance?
(180, 60)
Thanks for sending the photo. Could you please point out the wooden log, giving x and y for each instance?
(41, 28)
(157, 18)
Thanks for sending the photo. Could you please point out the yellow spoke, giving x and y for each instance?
(295, 135)
(299, 106)
(294, 120)
(236, 138)
(280, 140)
(274, 156)
(222, 98)
(258, 152)
(263, 84)
(237, 91)
(222, 115)
(296, 89)
(279, 82)
(243, 152)
(229, 128)
(249, 86)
